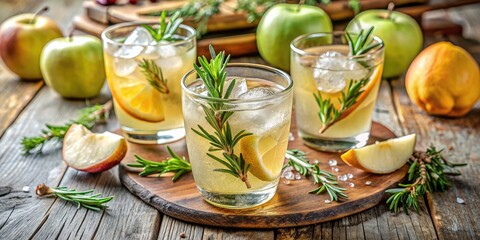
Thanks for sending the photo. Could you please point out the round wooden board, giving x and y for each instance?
(291, 206)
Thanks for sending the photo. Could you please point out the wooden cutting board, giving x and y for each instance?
(291, 206)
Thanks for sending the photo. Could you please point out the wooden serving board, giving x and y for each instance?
(291, 206)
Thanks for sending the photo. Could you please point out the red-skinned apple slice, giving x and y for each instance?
(92, 152)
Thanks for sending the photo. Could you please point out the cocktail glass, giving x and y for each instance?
(260, 104)
(324, 74)
(144, 78)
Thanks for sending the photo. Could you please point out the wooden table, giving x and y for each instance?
(26, 106)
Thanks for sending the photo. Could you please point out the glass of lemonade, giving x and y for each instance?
(260, 105)
(325, 75)
(144, 78)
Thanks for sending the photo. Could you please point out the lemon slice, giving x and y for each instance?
(138, 98)
(382, 157)
(92, 152)
(265, 154)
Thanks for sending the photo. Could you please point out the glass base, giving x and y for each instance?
(153, 137)
(238, 201)
(335, 144)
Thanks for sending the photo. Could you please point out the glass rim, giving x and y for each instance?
(108, 40)
(321, 34)
(280, 94)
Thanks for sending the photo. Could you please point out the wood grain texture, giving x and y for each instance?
(291, 206)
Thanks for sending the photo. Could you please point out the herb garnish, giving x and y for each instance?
(425, 174)
(174, 164)
(166, 31)
(327, 113)
(88, 117)
(82, 198)
(213, 76)
(327, 181)
(154, 75)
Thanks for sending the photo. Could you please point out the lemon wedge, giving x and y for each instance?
(138, 98)
(382, 157)
(92, 152)
(265, 154)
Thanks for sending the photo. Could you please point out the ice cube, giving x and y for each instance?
(239, 88)
(125, 63)
(333, 69)
(132, 46)
(165, 50)
(150, 51)
(257, 92)
(124, 67)
(170, 63)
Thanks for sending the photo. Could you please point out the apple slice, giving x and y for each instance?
(382, 157)
(92, 152)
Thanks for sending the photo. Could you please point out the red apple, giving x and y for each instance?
(22, 39)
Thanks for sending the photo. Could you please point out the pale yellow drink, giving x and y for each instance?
(267, 118)
(144, 80)
(353, 127)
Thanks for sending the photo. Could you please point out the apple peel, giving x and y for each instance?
(92, 152)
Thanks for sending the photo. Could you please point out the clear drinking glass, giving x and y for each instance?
(323, 70)
(144, 78)
(261, 104)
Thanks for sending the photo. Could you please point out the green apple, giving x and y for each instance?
(73, 66)
(400, 33)
(22, 39)
(284, 22)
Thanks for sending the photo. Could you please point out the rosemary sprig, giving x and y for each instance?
(87, 117)
(166, 31)
(327, 181)
(174, 164)
(425, 174)
(154, 75)
(328, 114)
(213, 76)
(82, 198)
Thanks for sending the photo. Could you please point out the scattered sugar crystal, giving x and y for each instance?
(289, 175)
(26, 189)
(342, 177)
(349, 175)
(291, 137)
(328, 201)
(351, 184)
(368, 183)
(334, 169)
(460, 200)
(298, 176)
(286, 182)
(332, 162)
(316, 161)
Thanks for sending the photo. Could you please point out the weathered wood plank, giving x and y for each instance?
(451, 219)
(172, 228)
(236, 234)
(294, 233)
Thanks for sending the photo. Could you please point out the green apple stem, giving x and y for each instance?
(390, 8)
(300, 3)
(38, 12)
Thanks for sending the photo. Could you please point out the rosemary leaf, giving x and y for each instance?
(82, 198)
(327, 181)
(174, 164)
(87, 117)
(426, 173)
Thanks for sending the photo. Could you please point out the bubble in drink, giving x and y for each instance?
(332, 70)
(239, 88)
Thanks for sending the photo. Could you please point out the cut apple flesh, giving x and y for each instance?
(91, 152)
(382, 157)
